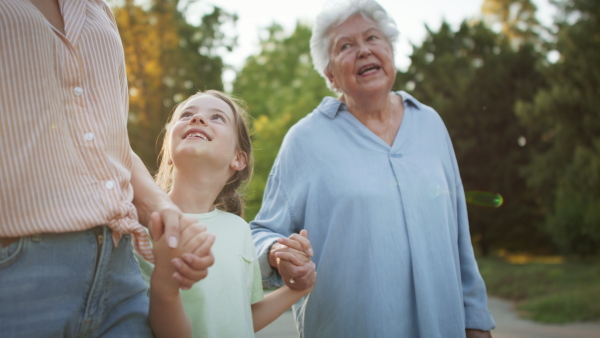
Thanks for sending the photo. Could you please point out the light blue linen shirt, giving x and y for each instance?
(388, 226)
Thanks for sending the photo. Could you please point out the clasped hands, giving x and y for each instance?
(292, 258)
(186, 255)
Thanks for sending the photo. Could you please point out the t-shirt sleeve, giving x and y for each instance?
(257, 289)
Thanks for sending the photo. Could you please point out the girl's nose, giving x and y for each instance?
(198, 119)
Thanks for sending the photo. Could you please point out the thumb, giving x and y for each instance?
(171, 228)
(309, 251)
(156, 226)
(304, 233)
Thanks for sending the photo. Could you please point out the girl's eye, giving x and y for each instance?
(218, 117)
(186, 116)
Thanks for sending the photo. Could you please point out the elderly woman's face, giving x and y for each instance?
(362, 59)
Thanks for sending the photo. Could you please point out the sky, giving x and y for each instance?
(410, 16)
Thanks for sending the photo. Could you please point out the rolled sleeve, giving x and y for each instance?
(273, 221)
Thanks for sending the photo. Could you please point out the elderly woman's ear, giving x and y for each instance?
(329, 74)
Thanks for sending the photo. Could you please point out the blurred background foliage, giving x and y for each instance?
(521, 102)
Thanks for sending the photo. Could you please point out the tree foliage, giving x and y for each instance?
(167, 60)
(516, 19)
(473, 77)
(564, 124)
(280, 86)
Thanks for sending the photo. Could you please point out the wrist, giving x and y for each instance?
(162, 283)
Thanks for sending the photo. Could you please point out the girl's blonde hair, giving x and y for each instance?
(229, 199)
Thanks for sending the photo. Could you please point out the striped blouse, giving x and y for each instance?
(65, 156)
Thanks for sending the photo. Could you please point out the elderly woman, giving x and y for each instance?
(373, 178)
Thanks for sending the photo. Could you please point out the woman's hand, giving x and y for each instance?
(291, 257)
(472, 333)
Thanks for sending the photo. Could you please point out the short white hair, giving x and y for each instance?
(335, 13)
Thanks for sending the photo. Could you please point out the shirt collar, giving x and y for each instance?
(330, 106)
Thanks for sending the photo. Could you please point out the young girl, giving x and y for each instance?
(206, 156)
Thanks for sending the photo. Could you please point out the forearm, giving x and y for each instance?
(167, 315)
(273, 305)
(147, 196)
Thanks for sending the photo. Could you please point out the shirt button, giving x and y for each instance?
(88, 136)
(78, 91)
(109, 185)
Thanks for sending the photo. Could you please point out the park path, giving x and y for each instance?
(508, 325)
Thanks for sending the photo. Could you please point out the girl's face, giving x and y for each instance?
(205, 128)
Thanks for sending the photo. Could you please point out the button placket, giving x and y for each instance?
(110, 184)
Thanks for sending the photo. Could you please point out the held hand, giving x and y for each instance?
(192, 256)
(195, 243)
(472, 333)
(169, 217)
(292, 261)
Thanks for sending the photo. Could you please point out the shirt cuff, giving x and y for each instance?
(479, 319)
(270, 277)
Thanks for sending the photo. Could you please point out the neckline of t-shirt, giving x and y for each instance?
(206, 215)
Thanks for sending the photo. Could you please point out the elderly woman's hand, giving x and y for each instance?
(291, 257)
(472, 333)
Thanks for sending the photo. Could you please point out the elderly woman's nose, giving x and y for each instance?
(364, 50)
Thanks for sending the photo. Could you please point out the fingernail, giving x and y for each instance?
(177, 277)
(172, 242)
(310, 252)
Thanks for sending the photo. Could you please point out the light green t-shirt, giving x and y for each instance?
(219, 305)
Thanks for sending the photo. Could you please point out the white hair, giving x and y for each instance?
(335, 13)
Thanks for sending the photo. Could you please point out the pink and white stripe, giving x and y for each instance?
(65, 156)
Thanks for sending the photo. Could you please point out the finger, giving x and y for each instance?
(188, 232)
(188, 229)
(305, 279)
(205, 243)
(303, 242)
(186, 272)
(199, 263)
(302, 238)
(288, 256)
(290, 243)
(170, 220)
(184, 283)
(155, 226)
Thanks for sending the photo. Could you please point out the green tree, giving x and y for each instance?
(167, 60)
(516, 19)
(564, 124)
(280, 87)
(473, 77)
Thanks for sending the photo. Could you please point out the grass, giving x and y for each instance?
(550, 293)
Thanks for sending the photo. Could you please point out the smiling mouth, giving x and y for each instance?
(370, 69)
(196, 134)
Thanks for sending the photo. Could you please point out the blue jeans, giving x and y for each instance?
(72, 285)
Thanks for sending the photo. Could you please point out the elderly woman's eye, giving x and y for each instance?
(345, 46)
(372, 37)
